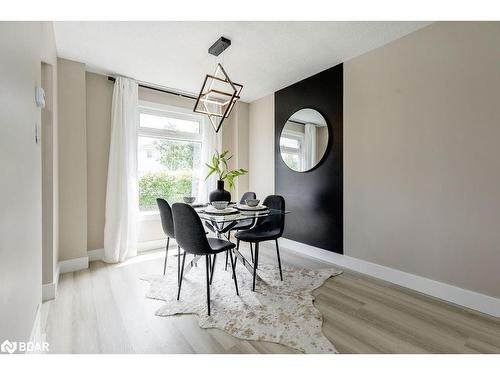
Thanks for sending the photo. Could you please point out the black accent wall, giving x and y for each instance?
(314, 197)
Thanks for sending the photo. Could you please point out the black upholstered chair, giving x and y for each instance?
(190, 235)
(167, 223)
(243, 224)
(267, 228)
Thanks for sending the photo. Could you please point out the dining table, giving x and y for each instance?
(221, 223)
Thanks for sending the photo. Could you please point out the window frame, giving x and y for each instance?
(173, 112)
(158, 109)
(292, 134)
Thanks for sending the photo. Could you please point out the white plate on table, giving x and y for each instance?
(226, 211)
(254, 213)
(244, 207)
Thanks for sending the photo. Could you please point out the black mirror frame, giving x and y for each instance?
(328, 145)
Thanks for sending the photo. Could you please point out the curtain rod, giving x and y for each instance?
(297, 122)
(113, 79)
(304, 123)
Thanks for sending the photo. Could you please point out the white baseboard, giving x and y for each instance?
(72, 265)
(155, 244)
(49, 291)
(98, 254)
(463, 297)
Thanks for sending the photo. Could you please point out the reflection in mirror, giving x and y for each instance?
(304, 140)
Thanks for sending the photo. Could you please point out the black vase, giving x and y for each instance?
(220, 194)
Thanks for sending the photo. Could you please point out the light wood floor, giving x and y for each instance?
(103, 310)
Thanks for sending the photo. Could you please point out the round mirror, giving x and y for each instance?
(304, 140)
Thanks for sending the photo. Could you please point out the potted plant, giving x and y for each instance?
(220, 167)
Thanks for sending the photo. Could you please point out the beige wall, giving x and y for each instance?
(261, 146)
(72, 160)
(23, 47)
(235, 131)
(163, 98)
(99, 93)
(422, 155)
(241, 147)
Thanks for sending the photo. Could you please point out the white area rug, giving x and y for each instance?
(278, 311)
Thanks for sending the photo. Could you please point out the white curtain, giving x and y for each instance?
(120, 230)
(211, 141)
(310, 146)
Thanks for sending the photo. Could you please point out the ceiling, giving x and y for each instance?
(264, 56)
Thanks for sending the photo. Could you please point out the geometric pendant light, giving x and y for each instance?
(218, 93)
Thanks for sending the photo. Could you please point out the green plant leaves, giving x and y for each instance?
(171, 185)
(211, 169)
(220, 166)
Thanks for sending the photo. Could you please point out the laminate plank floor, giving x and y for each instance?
(103, 309)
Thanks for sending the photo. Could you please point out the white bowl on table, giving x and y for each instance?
(252, 202)
(220, 205)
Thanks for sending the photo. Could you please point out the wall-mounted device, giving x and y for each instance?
(39, 97)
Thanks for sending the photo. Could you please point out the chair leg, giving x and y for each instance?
(178, 265)
(279, 260)
(233, 266)
(207, 261)
(229, 239)
(182, 274)
(166, 254)
(255, 264)
(251, 251)
(212, 271)
(237, 248)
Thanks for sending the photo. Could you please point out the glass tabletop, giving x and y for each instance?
(237, 216)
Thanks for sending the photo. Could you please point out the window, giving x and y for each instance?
(169, 153)
(291, 148)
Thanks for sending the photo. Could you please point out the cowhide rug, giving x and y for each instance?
(278, 311)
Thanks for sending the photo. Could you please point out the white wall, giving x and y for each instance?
(23, 47)
(50, 195)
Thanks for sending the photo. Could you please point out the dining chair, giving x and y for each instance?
(267, 228)
(243, 224)
(167, 224)
(190, 235)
